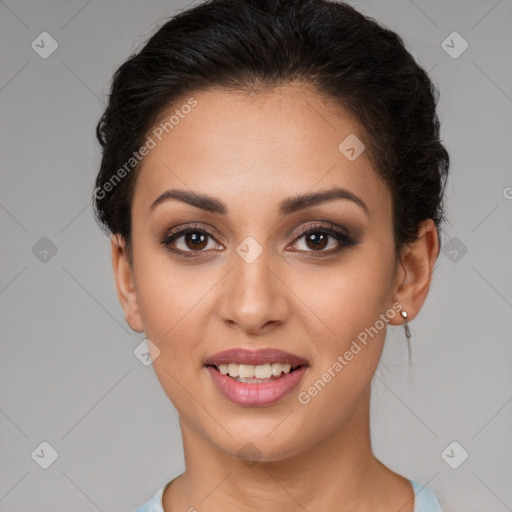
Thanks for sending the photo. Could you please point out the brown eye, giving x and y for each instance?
(324, 240)
(196, 240)
(317, 240)
(188, 241)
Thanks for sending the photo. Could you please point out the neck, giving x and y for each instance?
(339, 469)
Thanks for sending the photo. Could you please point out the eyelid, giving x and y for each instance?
(182, 229)
(325, 225)
(170, 236)
(341, 234)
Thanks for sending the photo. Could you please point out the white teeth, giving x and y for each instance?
(260, 371)
(263, 371)
(277, 368)
(246, 370)
(233, 369)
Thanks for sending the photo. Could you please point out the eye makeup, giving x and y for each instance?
(196, 237)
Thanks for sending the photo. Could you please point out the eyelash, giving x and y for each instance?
(343, 238)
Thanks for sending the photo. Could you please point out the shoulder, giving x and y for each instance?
(154, 504)
(425, 499)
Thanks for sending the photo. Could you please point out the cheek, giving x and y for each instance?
(352, 301)
(349, 297)
(169, 301)
(172, 312)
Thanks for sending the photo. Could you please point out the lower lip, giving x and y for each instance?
(254, 395)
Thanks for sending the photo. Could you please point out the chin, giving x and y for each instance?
(262, 441)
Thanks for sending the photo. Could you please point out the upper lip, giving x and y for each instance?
(255, 357)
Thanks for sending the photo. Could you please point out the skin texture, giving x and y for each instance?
(251, 152)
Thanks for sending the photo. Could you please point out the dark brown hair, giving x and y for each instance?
(250, 45)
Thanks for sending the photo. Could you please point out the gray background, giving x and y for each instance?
(68, 372)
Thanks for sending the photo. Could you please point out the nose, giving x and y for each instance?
(254, 298)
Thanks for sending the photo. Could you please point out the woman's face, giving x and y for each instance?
(246, 277)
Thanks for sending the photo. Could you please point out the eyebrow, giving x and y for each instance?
(286, 207)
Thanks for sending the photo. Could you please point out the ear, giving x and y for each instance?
(123, 276)
(414, 274)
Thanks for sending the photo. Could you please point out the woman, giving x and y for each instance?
(272, 179)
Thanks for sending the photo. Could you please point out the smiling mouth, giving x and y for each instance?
(255, 374)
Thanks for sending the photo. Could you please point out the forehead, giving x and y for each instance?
(257, 147)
